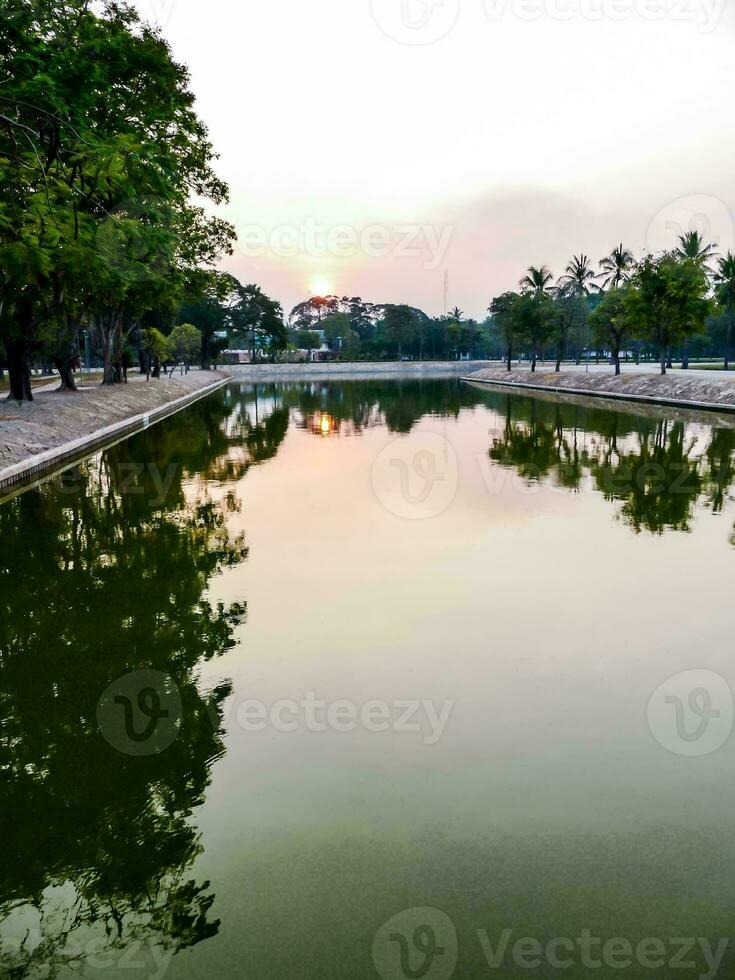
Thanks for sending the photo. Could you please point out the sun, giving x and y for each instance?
(320, 287)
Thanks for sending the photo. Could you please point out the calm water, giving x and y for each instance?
(303, 659)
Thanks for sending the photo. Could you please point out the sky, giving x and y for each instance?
(374, 146)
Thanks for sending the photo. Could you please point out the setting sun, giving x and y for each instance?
(320, 287)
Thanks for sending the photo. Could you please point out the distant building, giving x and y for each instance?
(236, 356)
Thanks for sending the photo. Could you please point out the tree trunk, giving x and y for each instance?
(112, 350)
(108, 368)
(663, 361)
(509, 360)
(685, 356)
(728, 341)
(66, 374)
(19, 372)
(533, 362)
(616, 360)
(669, 362)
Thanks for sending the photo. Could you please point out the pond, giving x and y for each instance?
(373, 679)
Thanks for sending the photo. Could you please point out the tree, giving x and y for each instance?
(567, 310)
(616, 267)
(207, 306)
(313, 311)
(610, 323)
(693, 246)
(309, 340)
(725, 285)
(580, 275)
(668, 300)
(185, 344)
(537, 280)
(501, 311)
(336, 327)
(533, 315)
(257, 320)
(155, 348)
(399, 327)
(96, 220)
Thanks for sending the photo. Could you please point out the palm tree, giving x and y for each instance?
(580, 276)
(579, 279)
(725, 280)
(692, 246)
(616, 267)
(456, 314)
(537, 280)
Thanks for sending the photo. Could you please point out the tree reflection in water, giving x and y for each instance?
(658, 470)
(106, 571)
(103, 572)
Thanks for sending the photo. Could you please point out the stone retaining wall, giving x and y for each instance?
(352, 369)
(678, 389)
(63, 420)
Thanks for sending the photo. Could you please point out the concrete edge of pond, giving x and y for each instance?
(618, 397)
(353, 370)
(34, 469)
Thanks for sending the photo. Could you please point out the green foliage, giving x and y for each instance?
(667, 301)
(185, 343)
(101, 154)
(611, 322)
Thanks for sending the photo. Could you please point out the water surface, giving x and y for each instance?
(397, 644)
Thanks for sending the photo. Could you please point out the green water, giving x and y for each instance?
(305, 658)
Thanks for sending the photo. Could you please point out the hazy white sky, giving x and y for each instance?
(370, 145)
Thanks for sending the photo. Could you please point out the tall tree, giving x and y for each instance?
(725, 285)
(693, 246)
(501, 311)
(580, 275)
(610, 323)
(537, 279)
(616, 267)
(101, 154)
(668, 300)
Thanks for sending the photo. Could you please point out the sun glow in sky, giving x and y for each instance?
(497, 142)
(320, 287)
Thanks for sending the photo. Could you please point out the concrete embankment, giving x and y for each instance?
(675, 389)
(357, 370)
(55, 430)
